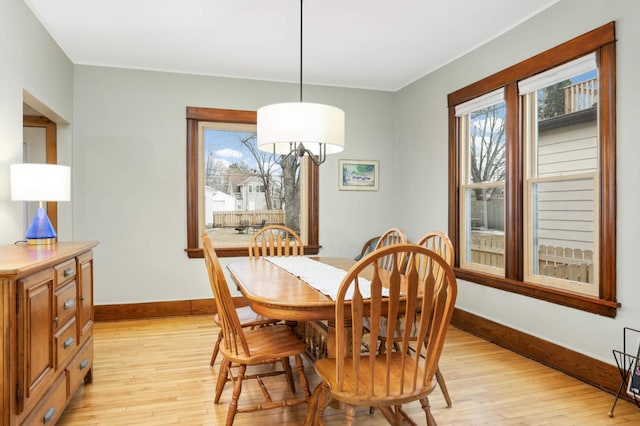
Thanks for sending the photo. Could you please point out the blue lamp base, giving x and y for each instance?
(41, 231)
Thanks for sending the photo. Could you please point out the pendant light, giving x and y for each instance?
(301, 127)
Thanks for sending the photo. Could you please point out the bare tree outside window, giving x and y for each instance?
(235, 170)
(487, 144)
(487, 164)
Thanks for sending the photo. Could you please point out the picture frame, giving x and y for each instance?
(633, 384)
(358, 175)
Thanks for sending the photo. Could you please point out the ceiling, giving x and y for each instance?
(371, 44)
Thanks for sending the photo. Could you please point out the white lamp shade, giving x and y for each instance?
(309, 123)
(40, 182)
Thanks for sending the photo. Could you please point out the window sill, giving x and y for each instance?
(584, 303)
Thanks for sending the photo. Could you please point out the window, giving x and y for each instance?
(532, 172)
(224, 172)
(483, 174)
(560, 110)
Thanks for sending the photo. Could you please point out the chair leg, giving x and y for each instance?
(323, 402)
(388, 414)
(214, 355)
(427, 409)
(350, 414)
(303, 379)
(312, 406)
(287, 368)
(398, 412)
(443, 387)
(222, 378)
(237, 389)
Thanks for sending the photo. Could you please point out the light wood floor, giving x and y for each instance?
(156, 372)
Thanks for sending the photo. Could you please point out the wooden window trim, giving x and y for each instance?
(194, 116)
(602, 41)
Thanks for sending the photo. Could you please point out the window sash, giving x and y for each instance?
(555, 261)
(466, 230)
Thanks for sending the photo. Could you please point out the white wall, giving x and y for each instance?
(130, 169)
(31, 62)
(422, 150)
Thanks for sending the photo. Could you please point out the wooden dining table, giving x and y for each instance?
(274, 292)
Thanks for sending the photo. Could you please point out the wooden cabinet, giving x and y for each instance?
(46, 315)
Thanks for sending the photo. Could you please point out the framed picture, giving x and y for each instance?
(633, 386)
(358, 175)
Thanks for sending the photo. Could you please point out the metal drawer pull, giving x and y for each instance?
(49, 415)
(84, 364)
(69, 304)
(68, 342)
(56, 319)
(68, 272)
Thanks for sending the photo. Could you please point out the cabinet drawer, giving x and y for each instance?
(50, 407)
(65, 303)
(66, 343)
(65, 272)
(78, 368)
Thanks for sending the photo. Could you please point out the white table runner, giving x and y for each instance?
(325, 278)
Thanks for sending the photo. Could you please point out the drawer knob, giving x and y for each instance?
(69, 304)
(49, 415)
(84, 364)
(68, 342)
(68, 271)
(56, 319)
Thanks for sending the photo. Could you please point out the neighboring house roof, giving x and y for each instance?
(583, 116)
(218, 195)
(252, 179)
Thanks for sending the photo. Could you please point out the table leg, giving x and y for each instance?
(332, 340)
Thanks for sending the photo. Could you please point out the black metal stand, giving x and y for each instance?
(626, 362)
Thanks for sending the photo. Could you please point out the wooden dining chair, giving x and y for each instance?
(248, 318)
(279, 240)
(390, 237)
(442, 245)
(396, 377)
(244, 347)
(367, 247)
(275, 240)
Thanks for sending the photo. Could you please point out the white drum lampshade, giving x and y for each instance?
(280, 125)
(40, 182)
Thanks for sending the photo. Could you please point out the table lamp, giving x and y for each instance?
(40, 182)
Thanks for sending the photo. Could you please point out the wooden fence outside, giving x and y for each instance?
(567, 263)
(558, 262)
(226, 219)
